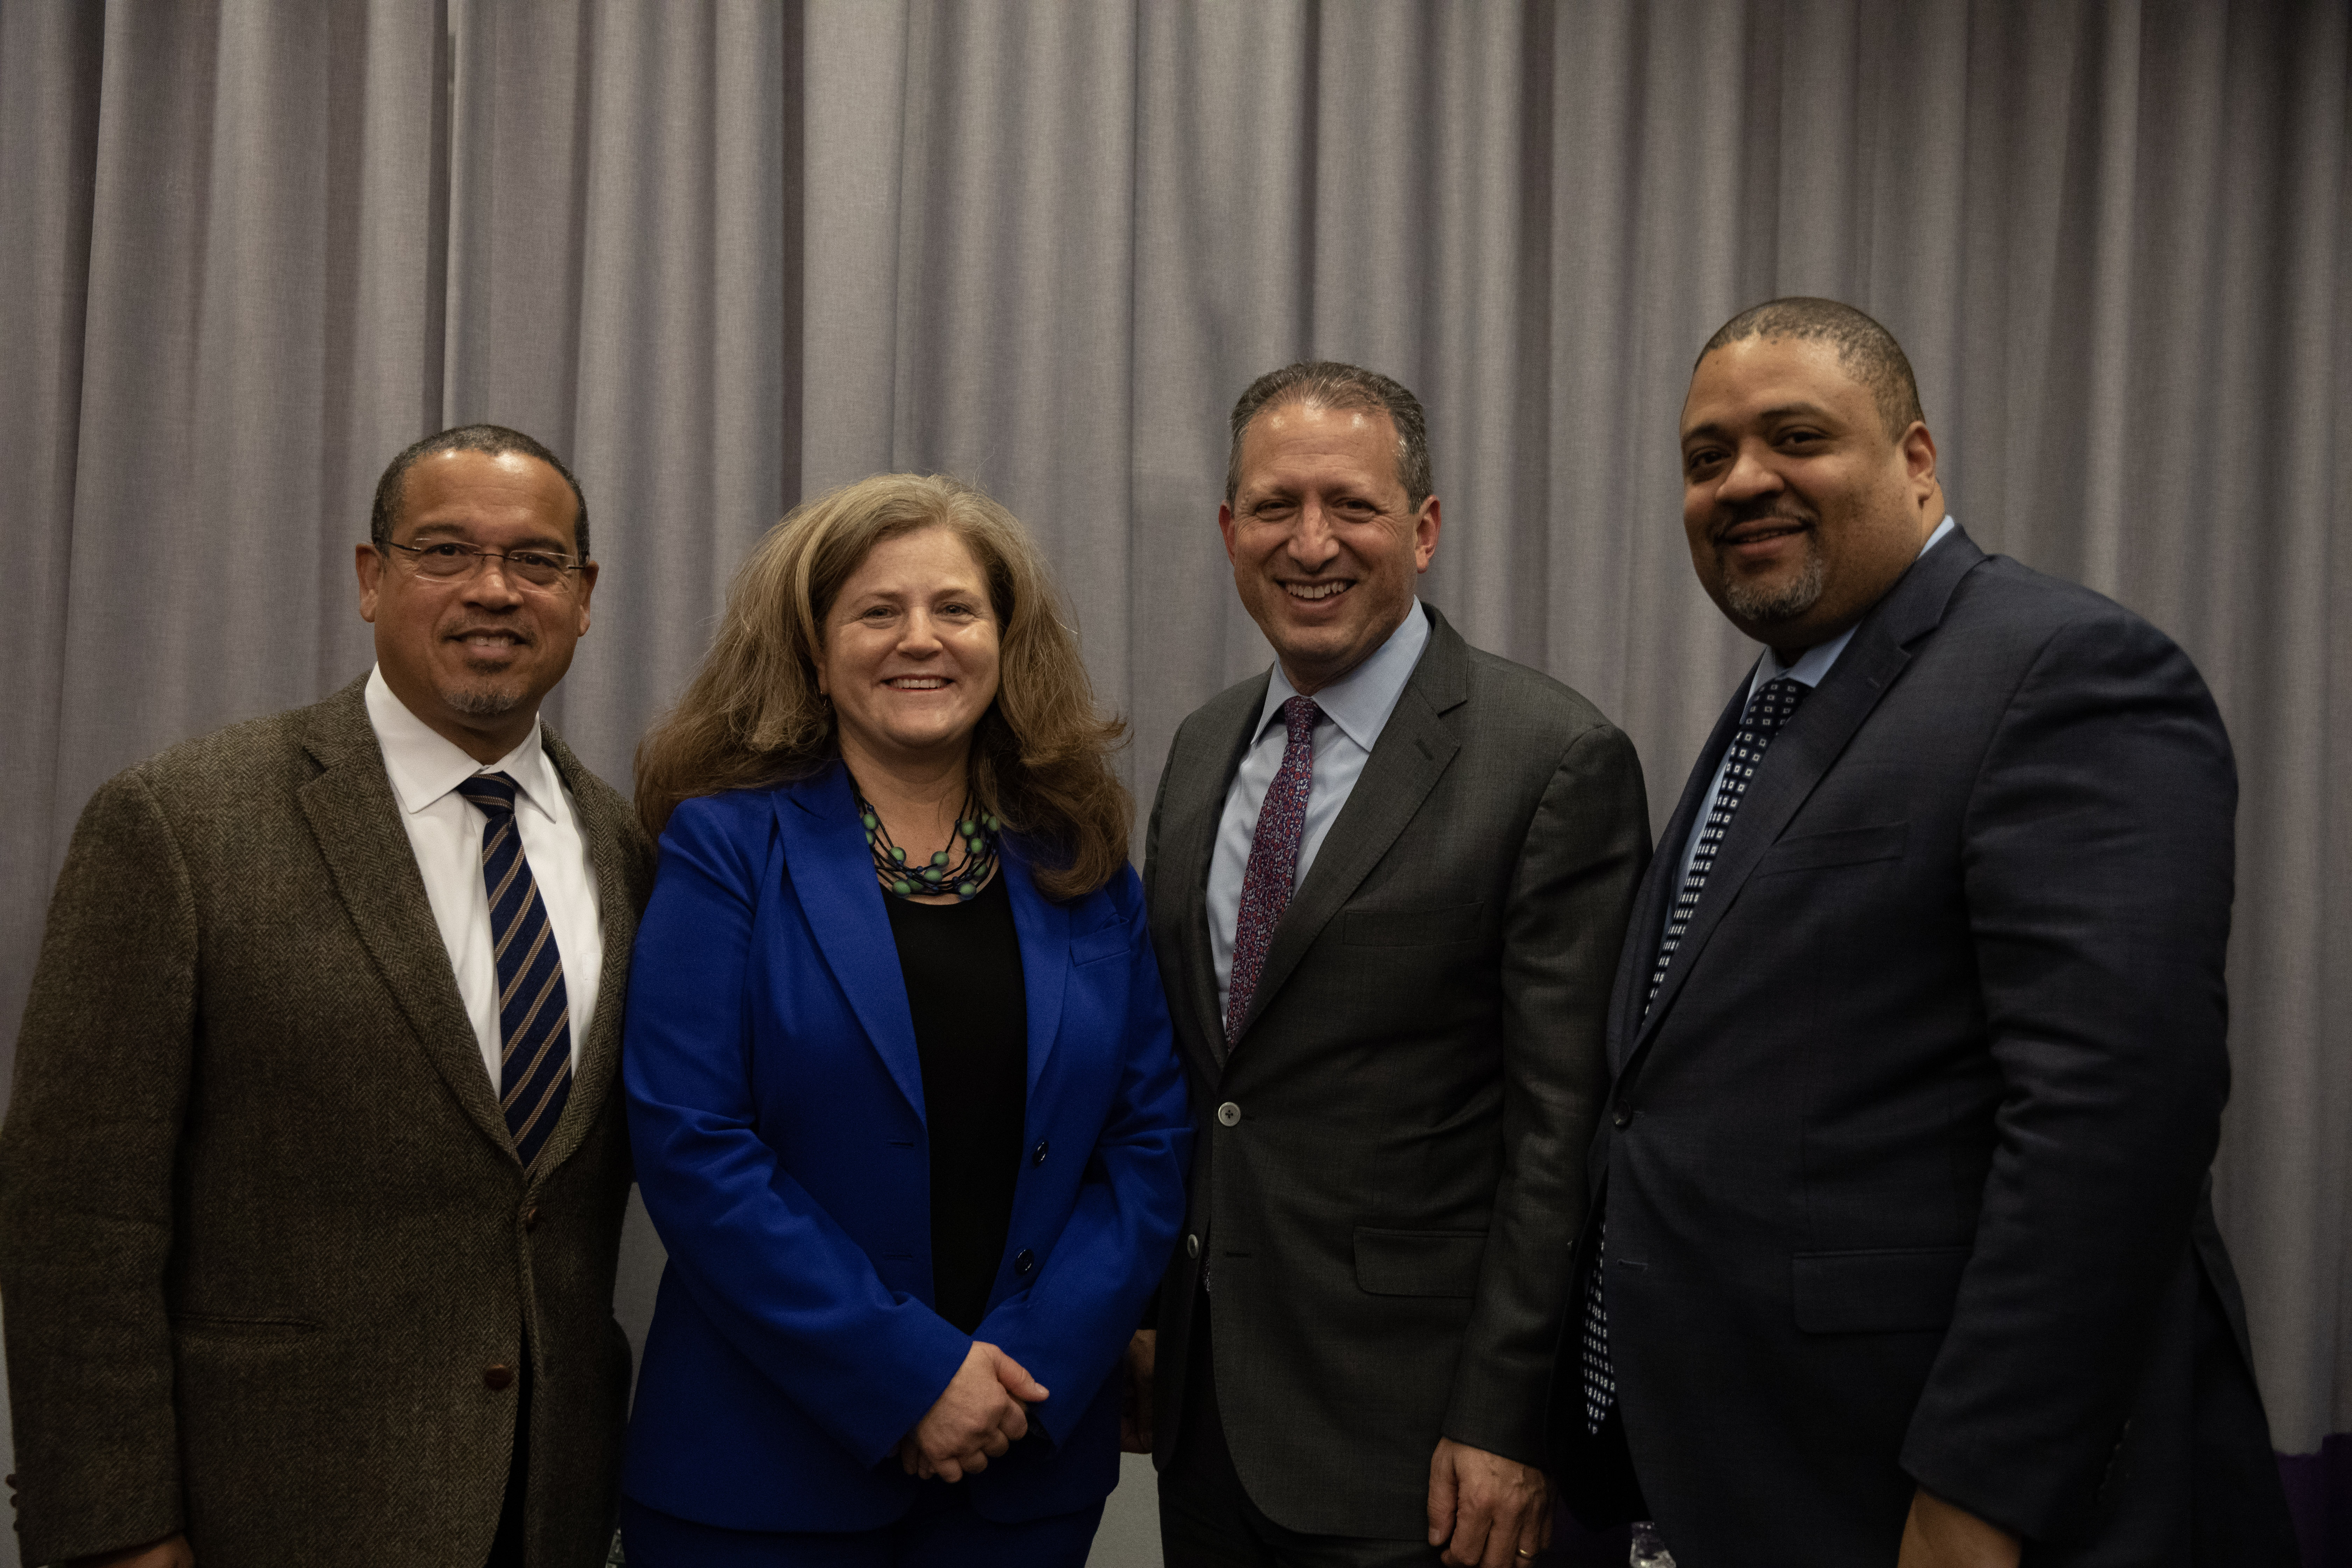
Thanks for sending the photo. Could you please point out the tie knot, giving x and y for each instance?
(493, 793)
(1300, 717)
(1774, 703)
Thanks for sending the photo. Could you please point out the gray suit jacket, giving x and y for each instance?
(262, 1230)
(1389, 1177)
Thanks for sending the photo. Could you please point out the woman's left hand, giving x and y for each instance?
(983, 1412)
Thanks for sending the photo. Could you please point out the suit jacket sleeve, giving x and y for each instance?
(103, 1065)
(1069, 1329)
(1564, 924)
(771, 1268)
(2098, 866)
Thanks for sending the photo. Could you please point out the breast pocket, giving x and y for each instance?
(1436, 926)
(1844, 846)
(1099, 946)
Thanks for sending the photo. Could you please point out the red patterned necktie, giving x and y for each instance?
(1273, 860)
(534, 1013)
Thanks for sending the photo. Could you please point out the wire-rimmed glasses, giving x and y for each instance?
(449, 560)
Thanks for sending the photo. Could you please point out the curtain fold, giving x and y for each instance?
(724, 253)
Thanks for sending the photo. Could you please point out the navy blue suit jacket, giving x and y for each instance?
(776, 1113)
(1904, 1171)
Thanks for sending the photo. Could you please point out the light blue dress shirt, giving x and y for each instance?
(1811, 666)
(1356, 708)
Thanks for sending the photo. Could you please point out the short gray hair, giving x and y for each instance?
(1327, 383)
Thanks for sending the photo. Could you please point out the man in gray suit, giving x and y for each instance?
(1388, 879)
(312, 1184)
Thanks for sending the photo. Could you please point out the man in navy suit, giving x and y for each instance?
(1902, 1251)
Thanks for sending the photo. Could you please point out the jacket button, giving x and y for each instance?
(497, 1375)
(1623, 1119)
(1229, 1114)
(1037, 1155)
(530, 1217)
(1192, 1245)
(1023, 1261)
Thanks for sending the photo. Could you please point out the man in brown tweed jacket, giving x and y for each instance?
(312, 1184)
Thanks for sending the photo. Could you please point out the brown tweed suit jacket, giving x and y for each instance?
(262, 1231)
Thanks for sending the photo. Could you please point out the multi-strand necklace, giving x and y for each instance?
(975, 842)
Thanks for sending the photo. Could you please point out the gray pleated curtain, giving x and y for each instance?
(722, 255)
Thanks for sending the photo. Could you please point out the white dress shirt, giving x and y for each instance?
(1356, 708)
(1808, 670)
(444, 831)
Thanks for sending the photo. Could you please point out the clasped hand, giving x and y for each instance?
(983, 1412)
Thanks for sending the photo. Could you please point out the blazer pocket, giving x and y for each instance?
(1846, 847)
(1418, 1262)
(1410, 928)
(1096, 946)
(1898, 1289)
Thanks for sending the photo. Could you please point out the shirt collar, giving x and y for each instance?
(1360, 701)
(1815, 661)
(424, 766)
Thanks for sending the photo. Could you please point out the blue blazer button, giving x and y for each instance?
(1037, 1155)
(1023, 1261)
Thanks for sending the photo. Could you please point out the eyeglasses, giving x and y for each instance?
(447, 561)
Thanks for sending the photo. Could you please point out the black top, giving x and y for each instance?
(962, 968)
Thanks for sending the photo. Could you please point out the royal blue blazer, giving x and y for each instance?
(776, 1113)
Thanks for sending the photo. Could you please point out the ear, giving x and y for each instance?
(587, 587)
(1918, 458)
(1425, 535)
(1225, 526)
(370, 565)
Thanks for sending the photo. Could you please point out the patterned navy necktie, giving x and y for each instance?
(1273, 860)
(534, 1013)
(1772, 706)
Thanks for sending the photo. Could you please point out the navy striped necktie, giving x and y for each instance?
(1774, 704)
(534, 1013)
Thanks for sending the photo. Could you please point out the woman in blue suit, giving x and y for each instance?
(901, 1089)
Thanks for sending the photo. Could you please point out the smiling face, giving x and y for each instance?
(472, 656)
(1324, 545)
(910, 653)
(1800, 512)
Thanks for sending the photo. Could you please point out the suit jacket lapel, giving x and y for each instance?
(1193, 811)
(356, 819)
(1043, 929)
(600, 1052)
(1660, 885)
(1803, 750)
(832, 872)
(1415, 749)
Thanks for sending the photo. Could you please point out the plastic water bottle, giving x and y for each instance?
(1649, 1548)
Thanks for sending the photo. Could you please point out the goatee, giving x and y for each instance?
(484, 701)
(1771, 602)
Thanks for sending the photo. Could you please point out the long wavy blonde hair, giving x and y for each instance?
(753, 717)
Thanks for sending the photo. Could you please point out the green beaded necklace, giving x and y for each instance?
(976, 833)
